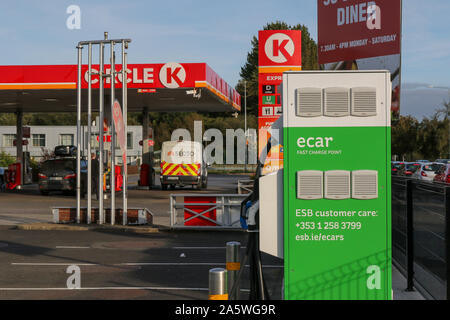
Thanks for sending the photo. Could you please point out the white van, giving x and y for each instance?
(182, 164)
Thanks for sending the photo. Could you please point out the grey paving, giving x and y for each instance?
(28, 206)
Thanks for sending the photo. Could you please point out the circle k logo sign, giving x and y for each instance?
(172, 75)
(279, 47)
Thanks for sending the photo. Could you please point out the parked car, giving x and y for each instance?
(445, 161)
(65, 151)
(3, 178)
(443, 174)
(408, 169)
(396, 166)
(59, 174)
(426, 171)
(425, 161)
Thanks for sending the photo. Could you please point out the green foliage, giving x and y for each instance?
(428, 139)
(44, 119)
(7, 119)
(404, 136)
(433, 138)
(249, 72)
(6, 159)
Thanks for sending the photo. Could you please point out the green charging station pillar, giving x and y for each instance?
(337, 185)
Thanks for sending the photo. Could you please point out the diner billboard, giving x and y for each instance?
(362, 35)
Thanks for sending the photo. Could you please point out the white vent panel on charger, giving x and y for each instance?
(310, 184)
(337, 184)
(364, 101)
(365, 184)
(309, 102)
(336, 102)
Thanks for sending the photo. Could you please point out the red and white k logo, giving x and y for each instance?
(279, 47)
(172, 75)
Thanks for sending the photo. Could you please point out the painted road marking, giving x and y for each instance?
(51, 264)
(105, 288)
(200, 248)
(133, 264)
(111, 288)
(71, 247)
(170, 264)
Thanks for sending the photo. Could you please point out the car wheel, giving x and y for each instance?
(164, 186)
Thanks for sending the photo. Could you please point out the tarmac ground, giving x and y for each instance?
(154, 263)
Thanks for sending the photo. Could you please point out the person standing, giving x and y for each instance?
(94, 173)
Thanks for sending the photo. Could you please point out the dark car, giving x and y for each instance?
(3, 178)
(60, 174)
(409, 168)
(396, 167)
(443, 174)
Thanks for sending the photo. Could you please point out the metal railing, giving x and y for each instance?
(102, 75)
(206, 211)
(245, 186)
(421, 235)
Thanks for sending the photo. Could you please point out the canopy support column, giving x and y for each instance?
(146, 158)
(19, 146)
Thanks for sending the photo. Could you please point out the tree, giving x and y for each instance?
(249, 72)
(445, 110)
(6, 159)
(404, 136)
(428, 139)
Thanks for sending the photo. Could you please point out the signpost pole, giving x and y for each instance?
(89, 120)
(101, 212)
(79, 131)
(245, 126)
(124, 106)
(113, 138)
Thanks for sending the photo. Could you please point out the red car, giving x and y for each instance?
(443, 174)
(396, 166)
(409, 169)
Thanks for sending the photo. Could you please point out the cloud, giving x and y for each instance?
(419, 100)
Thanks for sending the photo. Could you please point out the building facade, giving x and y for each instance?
(44, 139)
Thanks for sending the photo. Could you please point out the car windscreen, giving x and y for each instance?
(183, 152)
(58, 165)
(412, 167)
(431, 167)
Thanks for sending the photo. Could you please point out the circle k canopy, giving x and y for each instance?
(170, 87)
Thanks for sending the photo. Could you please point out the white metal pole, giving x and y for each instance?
(79, 131)
(89, 120)
(245, 126)
(125, 110)
(101, 211)
(113, 138)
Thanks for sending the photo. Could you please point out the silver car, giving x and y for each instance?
(427, 171)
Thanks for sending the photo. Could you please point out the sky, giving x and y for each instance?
(218, 33)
